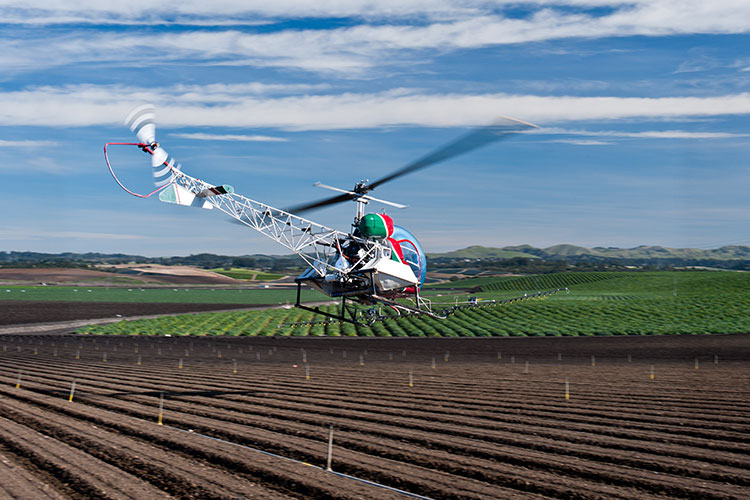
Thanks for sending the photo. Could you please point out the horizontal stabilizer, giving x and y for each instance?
(216, 190)
(174, 193)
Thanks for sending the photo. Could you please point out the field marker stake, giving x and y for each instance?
(139, 360)
(716, 359)
(411, 378)
(180, 364)
(330, 449)
(513, 360)
(447, 355)
(36, 350)
(18, 380)
(651, 373)
(390, 356)
(104, 357)
(559, 356)
(567, 389)
(72, 391)
(54, 352)
(304, 356)
(161, 408)
(257, 356)
(219, 355)
(158, 351)
(697, 365)
(234, 366)
(630, 358)
(361, 360)
(593, 360)
(499, 355)
(187, 353)
(433, 363)
(307, 372)
(403, 353)
(526, 367)
(343, 354)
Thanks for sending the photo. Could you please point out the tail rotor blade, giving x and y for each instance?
(142, 121)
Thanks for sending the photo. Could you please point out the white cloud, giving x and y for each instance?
(649, 134)
(583, 142)
(26, 144)
(88, 105)
(230, 137)
(351, 50)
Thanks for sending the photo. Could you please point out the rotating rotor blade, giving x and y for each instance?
(355, 195)
(320, 203)
(475, 139)
(142, 121)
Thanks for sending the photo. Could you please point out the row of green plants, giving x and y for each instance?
(656, 303)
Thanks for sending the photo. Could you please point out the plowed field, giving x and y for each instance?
(484, 418)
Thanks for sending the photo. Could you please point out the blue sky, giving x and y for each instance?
(643, 109)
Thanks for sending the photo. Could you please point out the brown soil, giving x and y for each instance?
(177, 275)
(488, 421)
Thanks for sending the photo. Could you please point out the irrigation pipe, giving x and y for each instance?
(340, 474)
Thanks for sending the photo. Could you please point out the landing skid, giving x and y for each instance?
(350, 313)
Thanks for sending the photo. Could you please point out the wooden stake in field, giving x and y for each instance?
(161, 408)
(361, 360)
(697, 364)
(630, 358)
(78, 354)
(411, 378)
(651, 373)
(446, 356)
(179, 366)
(499, 355)
(559, 356)
(390, 356)
(307, 372)
(304, 356)
(567, 389)
(72, 391)
(433, 364)
(139, 360)
(18, 380)
(513, 360)
(219, 354)
(526, 367)
(330, 449)
(54, 352)
(234, 367)
(716, 359)
(593, 360)
(104, 357)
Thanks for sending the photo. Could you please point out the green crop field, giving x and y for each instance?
(634, 303)
(187, 295)
(247, 274)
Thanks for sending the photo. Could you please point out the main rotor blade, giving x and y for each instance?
(473, 140)
(320, 203)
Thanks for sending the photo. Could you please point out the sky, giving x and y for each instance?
(643, 109)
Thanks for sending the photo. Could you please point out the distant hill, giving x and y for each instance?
(643, 253)
(729, 257)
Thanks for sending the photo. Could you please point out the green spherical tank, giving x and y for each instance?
(376, 226)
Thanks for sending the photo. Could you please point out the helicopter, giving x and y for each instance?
(376, 262)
